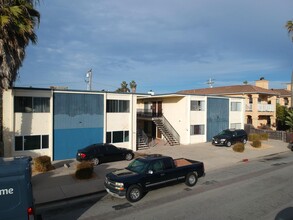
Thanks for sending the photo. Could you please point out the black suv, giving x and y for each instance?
(102, 153)
(229, 136)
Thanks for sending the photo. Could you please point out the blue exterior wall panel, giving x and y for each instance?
(217, 116)
(70, 140)
(78, 121)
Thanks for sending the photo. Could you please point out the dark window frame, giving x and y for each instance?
(117, 106)
(198, 129)
(111, 136)
(197, 105)
(29, 104)
(31, 142)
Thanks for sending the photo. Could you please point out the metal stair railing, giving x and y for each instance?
(142, 136)
(170, 128)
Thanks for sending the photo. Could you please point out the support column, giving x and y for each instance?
(254, 113)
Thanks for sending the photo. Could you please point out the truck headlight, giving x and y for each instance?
(119, 186)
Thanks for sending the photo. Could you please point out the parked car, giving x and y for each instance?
(290, 145)
(151, 172)
(230, 136)
(102, 153)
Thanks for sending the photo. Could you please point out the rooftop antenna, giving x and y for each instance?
(210, 82)
(88, 79)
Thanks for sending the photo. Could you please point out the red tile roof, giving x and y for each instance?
(230, 90)
(283, 92)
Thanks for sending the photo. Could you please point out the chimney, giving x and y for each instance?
(262, 83)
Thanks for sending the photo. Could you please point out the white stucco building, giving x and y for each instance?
(57, 122)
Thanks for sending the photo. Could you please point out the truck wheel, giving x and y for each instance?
(244, 141)
(95, 161)
(134, 193)
(191, 179)
(129, 156)
(228, 144)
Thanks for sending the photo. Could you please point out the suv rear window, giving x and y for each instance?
(241, 132)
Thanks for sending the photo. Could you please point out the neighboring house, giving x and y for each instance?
(58, 122)
(260, 101)
(188, 119)
(284, 97)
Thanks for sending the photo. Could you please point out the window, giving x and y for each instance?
(235, 125)
(117, 105)
(286, 101)
(18, 143)
(235, 106)
(126, 136)
(33, 142)
(109, 137)
(197, 129)
(45, 141)
(158, 166)
(197, 105)
(31, 104)
(117, 136)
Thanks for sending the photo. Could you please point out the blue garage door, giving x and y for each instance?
(217, 116)
(78, 122)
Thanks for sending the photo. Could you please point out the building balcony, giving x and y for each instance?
(148, 113)
(261, 108)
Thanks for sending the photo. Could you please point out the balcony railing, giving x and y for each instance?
(261, 108)
(148, 113)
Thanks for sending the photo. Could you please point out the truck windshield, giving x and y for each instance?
(138, 166)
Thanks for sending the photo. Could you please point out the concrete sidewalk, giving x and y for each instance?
(61, 184)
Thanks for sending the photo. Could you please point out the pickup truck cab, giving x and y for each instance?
(151, 172)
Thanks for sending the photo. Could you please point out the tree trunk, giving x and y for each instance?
(1, 124)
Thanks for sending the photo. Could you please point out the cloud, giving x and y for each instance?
(164, 45)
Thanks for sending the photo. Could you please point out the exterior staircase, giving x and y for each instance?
(142, 140)
(167, 130)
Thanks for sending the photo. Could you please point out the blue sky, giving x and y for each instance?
(164, 45)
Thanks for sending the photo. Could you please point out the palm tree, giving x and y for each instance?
(289, 120)
(18, 19)
(289, 26)
(133, 86)
(123, 87)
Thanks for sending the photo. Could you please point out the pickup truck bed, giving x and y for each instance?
(182, 162)
(151, 172)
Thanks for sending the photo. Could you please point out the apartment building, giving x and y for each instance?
(57, 122)
(260, 101)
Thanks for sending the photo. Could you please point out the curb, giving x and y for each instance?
(70, 200)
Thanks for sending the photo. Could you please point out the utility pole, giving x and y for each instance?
(88, 79)
(292, 90)
(210, 82)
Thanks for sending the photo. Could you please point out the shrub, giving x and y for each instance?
(253, 136)
(84, 170)
(238, 147)
(256, 143)
(42, 164)
(264, 136)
